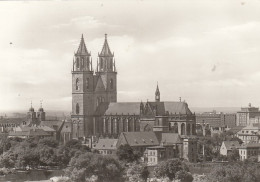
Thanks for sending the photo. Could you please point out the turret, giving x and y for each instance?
(157, 94)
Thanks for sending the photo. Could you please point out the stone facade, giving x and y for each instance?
(95, 110)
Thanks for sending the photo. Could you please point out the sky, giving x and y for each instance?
(206, 52)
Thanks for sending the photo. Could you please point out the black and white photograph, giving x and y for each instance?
(130, 91)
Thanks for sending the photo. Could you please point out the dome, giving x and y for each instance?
(40, 109)
(31, 109)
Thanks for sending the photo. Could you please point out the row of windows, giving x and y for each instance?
(82, 62)
(78, 84)
(111, 83)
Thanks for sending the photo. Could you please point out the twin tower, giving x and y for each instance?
(90, 88)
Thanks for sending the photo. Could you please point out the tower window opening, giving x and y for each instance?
(77, 108)
(111, 83)
(82, 62)
(101, 63)
(77, 84)
(87, 83)
(77, 63)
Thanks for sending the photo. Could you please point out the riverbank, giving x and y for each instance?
(32, 175)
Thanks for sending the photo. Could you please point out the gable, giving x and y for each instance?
(100, 85)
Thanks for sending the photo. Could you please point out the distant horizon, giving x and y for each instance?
(193, 109)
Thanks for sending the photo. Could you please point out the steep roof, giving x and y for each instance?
(177, 107)
(16, 121)
(236, 129)
(66, 127)
(55, 124)
(138, 139)
(123, 108)
(106, 144)
(170, 138)
(32, 132)
(231, 144)
(106, 50)
(82, 50)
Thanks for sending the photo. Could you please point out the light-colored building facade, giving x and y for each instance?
(247, 115)
(106, 146)
(250, 134)
(249, 150)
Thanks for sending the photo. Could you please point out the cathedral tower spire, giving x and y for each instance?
(82, 91)
(82, 61)
(157, 94)
(106, 62)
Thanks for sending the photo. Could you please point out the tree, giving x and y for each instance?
(233, 155)
(69, 150)
(169, 168)
(126, 153)
(137, 172)
(237, 172)
(184, 176)
(84, 166)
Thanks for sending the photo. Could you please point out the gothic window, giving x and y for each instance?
(82, 62)
(77, 108)
(188, 129)
(87, 62)
(182, 129)
(111, 83)
(175, 126)
(111, 65)
(98, 101)
(87, 83)
(77, 63)
(77, 84)
(101, 63)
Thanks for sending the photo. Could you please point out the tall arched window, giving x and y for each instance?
(77, 108)
(87, 62)
(82, 63)
(97, 101)
(182, 129)
(111, 83)
(87, 83)
(77, 84)
(77, 63)
(101, 63)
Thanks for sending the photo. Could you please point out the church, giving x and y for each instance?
(96, 112)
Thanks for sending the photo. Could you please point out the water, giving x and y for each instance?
(33, 175)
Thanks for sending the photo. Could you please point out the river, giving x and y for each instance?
(33, 175)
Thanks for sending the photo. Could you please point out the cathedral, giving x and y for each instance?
(96, 112)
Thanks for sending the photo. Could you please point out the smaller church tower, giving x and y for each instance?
(31, 115)
(157, 94)
(41, 114)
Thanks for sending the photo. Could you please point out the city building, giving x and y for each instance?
(250, 134)
(249, 150)
(157, 146)
(215, 122)
(106, 146)
(30, 133)
(95, 110)
(248, 115)
(228, 146)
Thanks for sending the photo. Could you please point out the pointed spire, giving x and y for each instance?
(82, 47)
(157, 93)
(106, 50)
